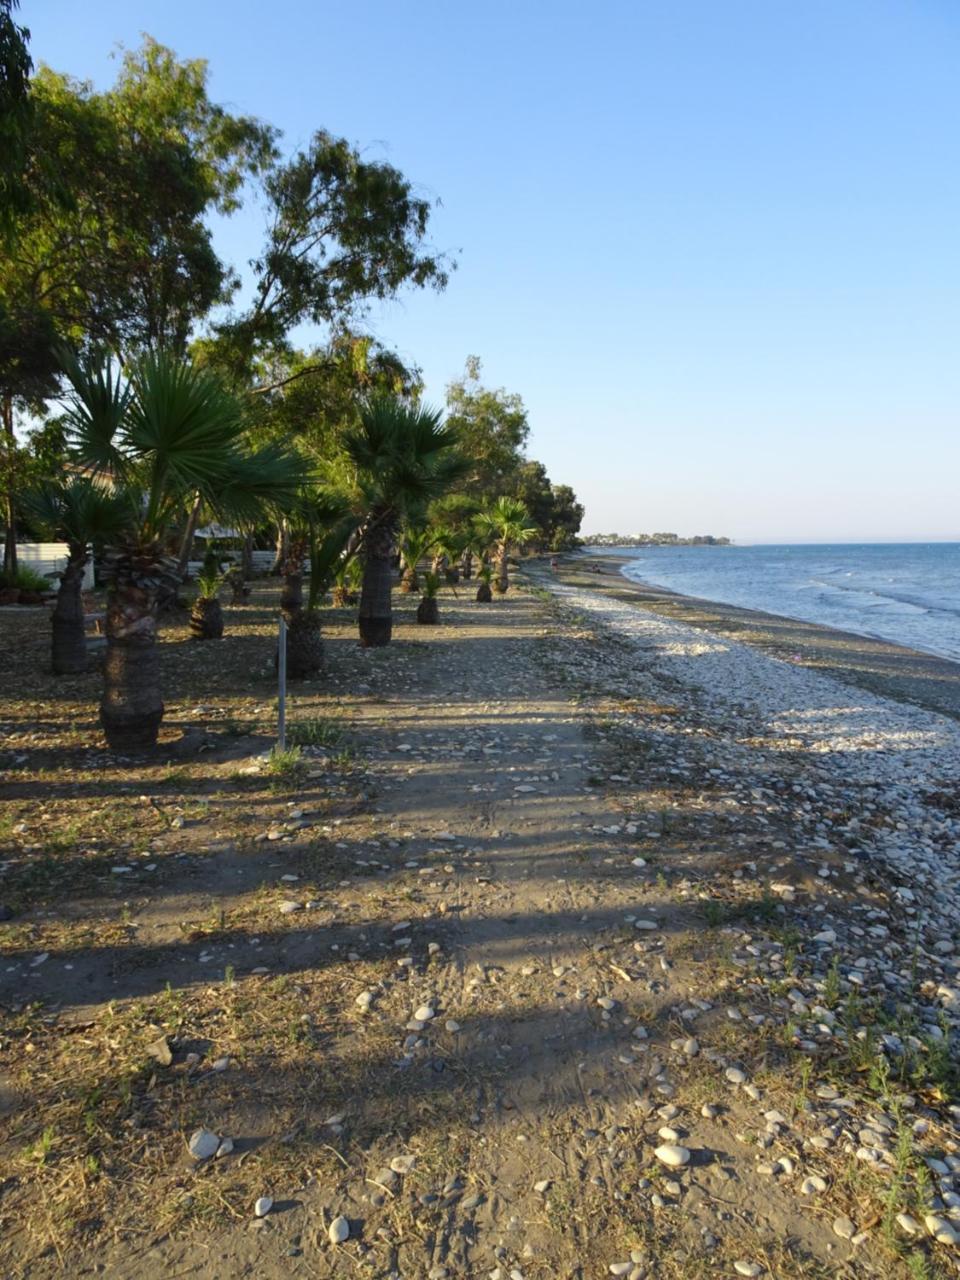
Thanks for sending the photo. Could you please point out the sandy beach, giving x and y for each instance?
(582, 940)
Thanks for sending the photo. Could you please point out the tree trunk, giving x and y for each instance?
(428, 611)
(131, 708)
(376, 608)
(69, 641)
(304, 645)
(206, 619)
(503, 571)
(281, 552)
(9, 506)
(186, 546)
(291, 598)
(246, 558)
(409, 579)
(484, 594)
(466, 566)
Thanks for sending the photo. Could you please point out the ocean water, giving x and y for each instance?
(908, 592)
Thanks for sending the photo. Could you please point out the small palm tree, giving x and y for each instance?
(81, 512)
(428, 610)
(163, 434)
(347, 579)
(321, 525)
(504, 526)
(403, 455)
(484, 594)
(415, 544)
(206, 617)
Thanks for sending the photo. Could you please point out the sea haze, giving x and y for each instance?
(905, 592)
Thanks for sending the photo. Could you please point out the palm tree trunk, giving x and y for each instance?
(186, 546)
(304, 645)
(281, 551)
(503, 570)
(9, 505)
(131, 708)
(376, 607)
(466, 566)
(291, 598)
(246, 558)
(69, 642)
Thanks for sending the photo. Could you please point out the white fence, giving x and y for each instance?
(50, 558)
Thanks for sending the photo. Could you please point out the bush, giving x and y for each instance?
(27, 579)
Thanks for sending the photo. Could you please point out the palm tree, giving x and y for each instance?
(163, 434)
(415, 543)
(503, 525)
(206, 617)
(403, 455)
(346, 589)
(79, 511)
(322, 524)
(484, 594)
(428, 611)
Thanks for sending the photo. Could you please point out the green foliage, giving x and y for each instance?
(403, 455)
(15, 116)
(167, 433)
(505, 524)
(342, 230)
(493, 429)
(113, 241)
(431, 585)
(208, 585)
(76, 509)
(26, 579)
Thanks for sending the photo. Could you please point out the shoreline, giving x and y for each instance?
(879, 666)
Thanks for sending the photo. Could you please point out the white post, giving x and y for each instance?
(282, 681)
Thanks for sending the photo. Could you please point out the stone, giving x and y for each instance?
(424, 1013)
(203, 1144)
(339, 1230)
(747, 1268)
(672, 1155)
(263, 1206)
(735, 1075)
(844, 1228)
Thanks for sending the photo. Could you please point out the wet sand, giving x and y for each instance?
(884, 668)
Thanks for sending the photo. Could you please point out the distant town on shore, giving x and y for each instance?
(653, 540)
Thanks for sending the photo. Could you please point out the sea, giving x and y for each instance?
(905, 592)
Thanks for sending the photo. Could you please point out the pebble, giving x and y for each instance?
(203, 1144)
(424, 1013)
(747, 1268)
(735, 1075)
(672, 1155)
(844, 1228)
(263, 1206)
(339, 1230)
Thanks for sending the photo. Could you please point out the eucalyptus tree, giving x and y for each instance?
(159, 435)
(403, 455)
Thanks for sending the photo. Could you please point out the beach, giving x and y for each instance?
(584, 939)
(881, 666)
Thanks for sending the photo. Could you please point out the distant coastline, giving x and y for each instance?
(653, 540)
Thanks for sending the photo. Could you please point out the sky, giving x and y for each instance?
(713, 244)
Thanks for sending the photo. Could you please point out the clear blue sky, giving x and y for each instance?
(712, 243)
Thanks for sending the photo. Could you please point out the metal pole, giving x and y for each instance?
(282, 681)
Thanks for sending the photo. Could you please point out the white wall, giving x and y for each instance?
(50, 557)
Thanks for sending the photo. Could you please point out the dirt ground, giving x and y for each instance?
(206, 939)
